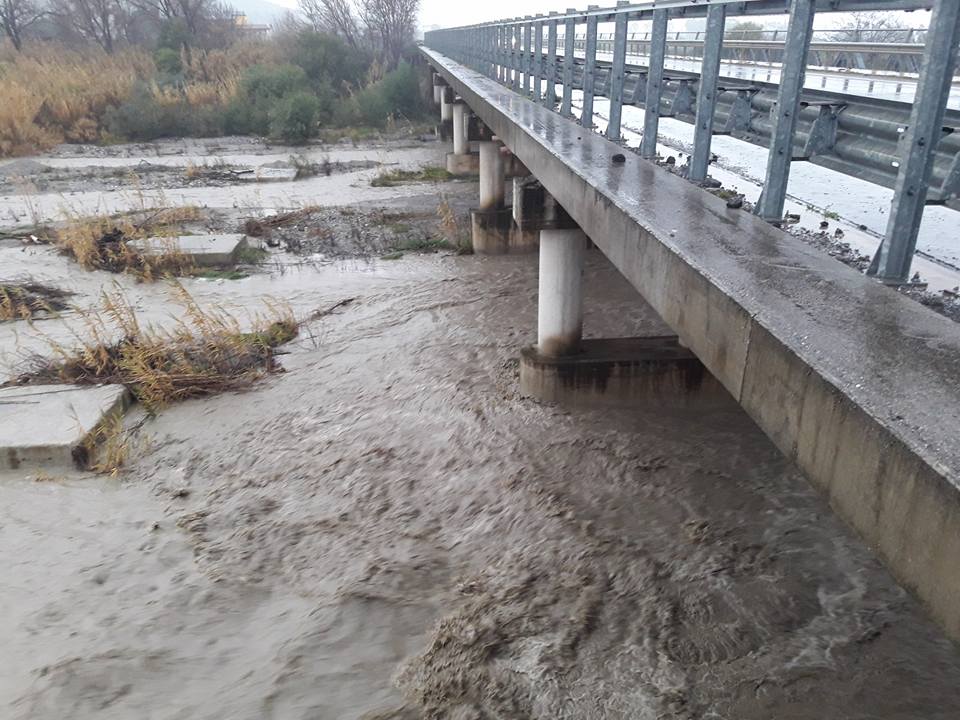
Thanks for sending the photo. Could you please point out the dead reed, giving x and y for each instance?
(25, 300)
(205, 352)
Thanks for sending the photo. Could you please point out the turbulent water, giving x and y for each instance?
(388, 531)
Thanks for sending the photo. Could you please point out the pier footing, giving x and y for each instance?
(623, 372)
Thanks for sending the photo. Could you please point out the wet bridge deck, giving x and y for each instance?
(856, 383)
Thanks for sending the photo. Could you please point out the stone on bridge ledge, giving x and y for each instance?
(623, 372)
(47, 426)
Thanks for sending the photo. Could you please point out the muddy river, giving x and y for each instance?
(387, 531)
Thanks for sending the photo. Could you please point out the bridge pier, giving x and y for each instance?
(461, 161)
(445, 128)
(608, 372)
(438, 84)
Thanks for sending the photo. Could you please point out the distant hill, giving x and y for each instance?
(259, 12)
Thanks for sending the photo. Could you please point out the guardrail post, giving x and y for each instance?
(517, 55)
(537, 58)
(895, 256)
(617, 74)
(498, 53)
(651, 116)
(550, 96)
(589, 71)
(799, 34)
(707, 92)
(569, 40)
(527, 55)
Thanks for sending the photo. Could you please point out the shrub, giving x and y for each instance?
(294, 118)
(168, 61)
(147, 115)
(397, 94)
(262, 88)
(329, 61)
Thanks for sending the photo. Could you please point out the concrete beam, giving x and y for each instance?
(856, 383)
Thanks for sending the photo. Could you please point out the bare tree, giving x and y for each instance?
(195, 14)
(392, 23)
(335, 17)
(872, 27)
(100, 21)
(17, 16)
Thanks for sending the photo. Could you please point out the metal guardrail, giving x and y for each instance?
(881, 56)
(908, 148)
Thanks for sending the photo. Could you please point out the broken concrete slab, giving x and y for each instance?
(268, 174)
(47, 425)
(204, 250)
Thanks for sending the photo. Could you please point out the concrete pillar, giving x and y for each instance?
(560, 304)
(492, 176)
(461, 145)
(446, 105)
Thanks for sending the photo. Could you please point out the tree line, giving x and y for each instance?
(384, 28)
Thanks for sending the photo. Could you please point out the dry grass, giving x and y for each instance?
(52, 94)
(453, 230)
(205, 352)
(103, 243)
(105, 451)
(25, 300)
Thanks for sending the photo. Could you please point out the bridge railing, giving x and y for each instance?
(908, 148)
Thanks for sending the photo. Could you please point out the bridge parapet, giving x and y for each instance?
(915, 150)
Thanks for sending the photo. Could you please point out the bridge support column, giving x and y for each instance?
(438, 85)
(445, 128)
(613, 372)
(492, 222)
(461, 161)
(560, 304)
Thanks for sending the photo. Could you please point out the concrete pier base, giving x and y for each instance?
(623, 372)
(492, 232)
(46, 426)
(466, 164)
(525, 241)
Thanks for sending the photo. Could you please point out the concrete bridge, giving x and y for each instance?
(856, 383)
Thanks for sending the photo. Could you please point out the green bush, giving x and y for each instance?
(294, 118)
(397, 94)
(262, 88)
(329, 61)
(168, 61)
(142, 118)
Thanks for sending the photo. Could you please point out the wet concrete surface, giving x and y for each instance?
(388, 531)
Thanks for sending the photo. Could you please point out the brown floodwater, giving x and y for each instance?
(387, 530)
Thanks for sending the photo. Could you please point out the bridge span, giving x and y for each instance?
(857, 384)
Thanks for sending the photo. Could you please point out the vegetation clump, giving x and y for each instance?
(424, 174)
(25, 300)
(105, 243)
(205, 351)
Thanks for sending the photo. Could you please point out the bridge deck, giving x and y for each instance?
(856, 383)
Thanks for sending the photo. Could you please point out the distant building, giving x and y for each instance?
(248, 28)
